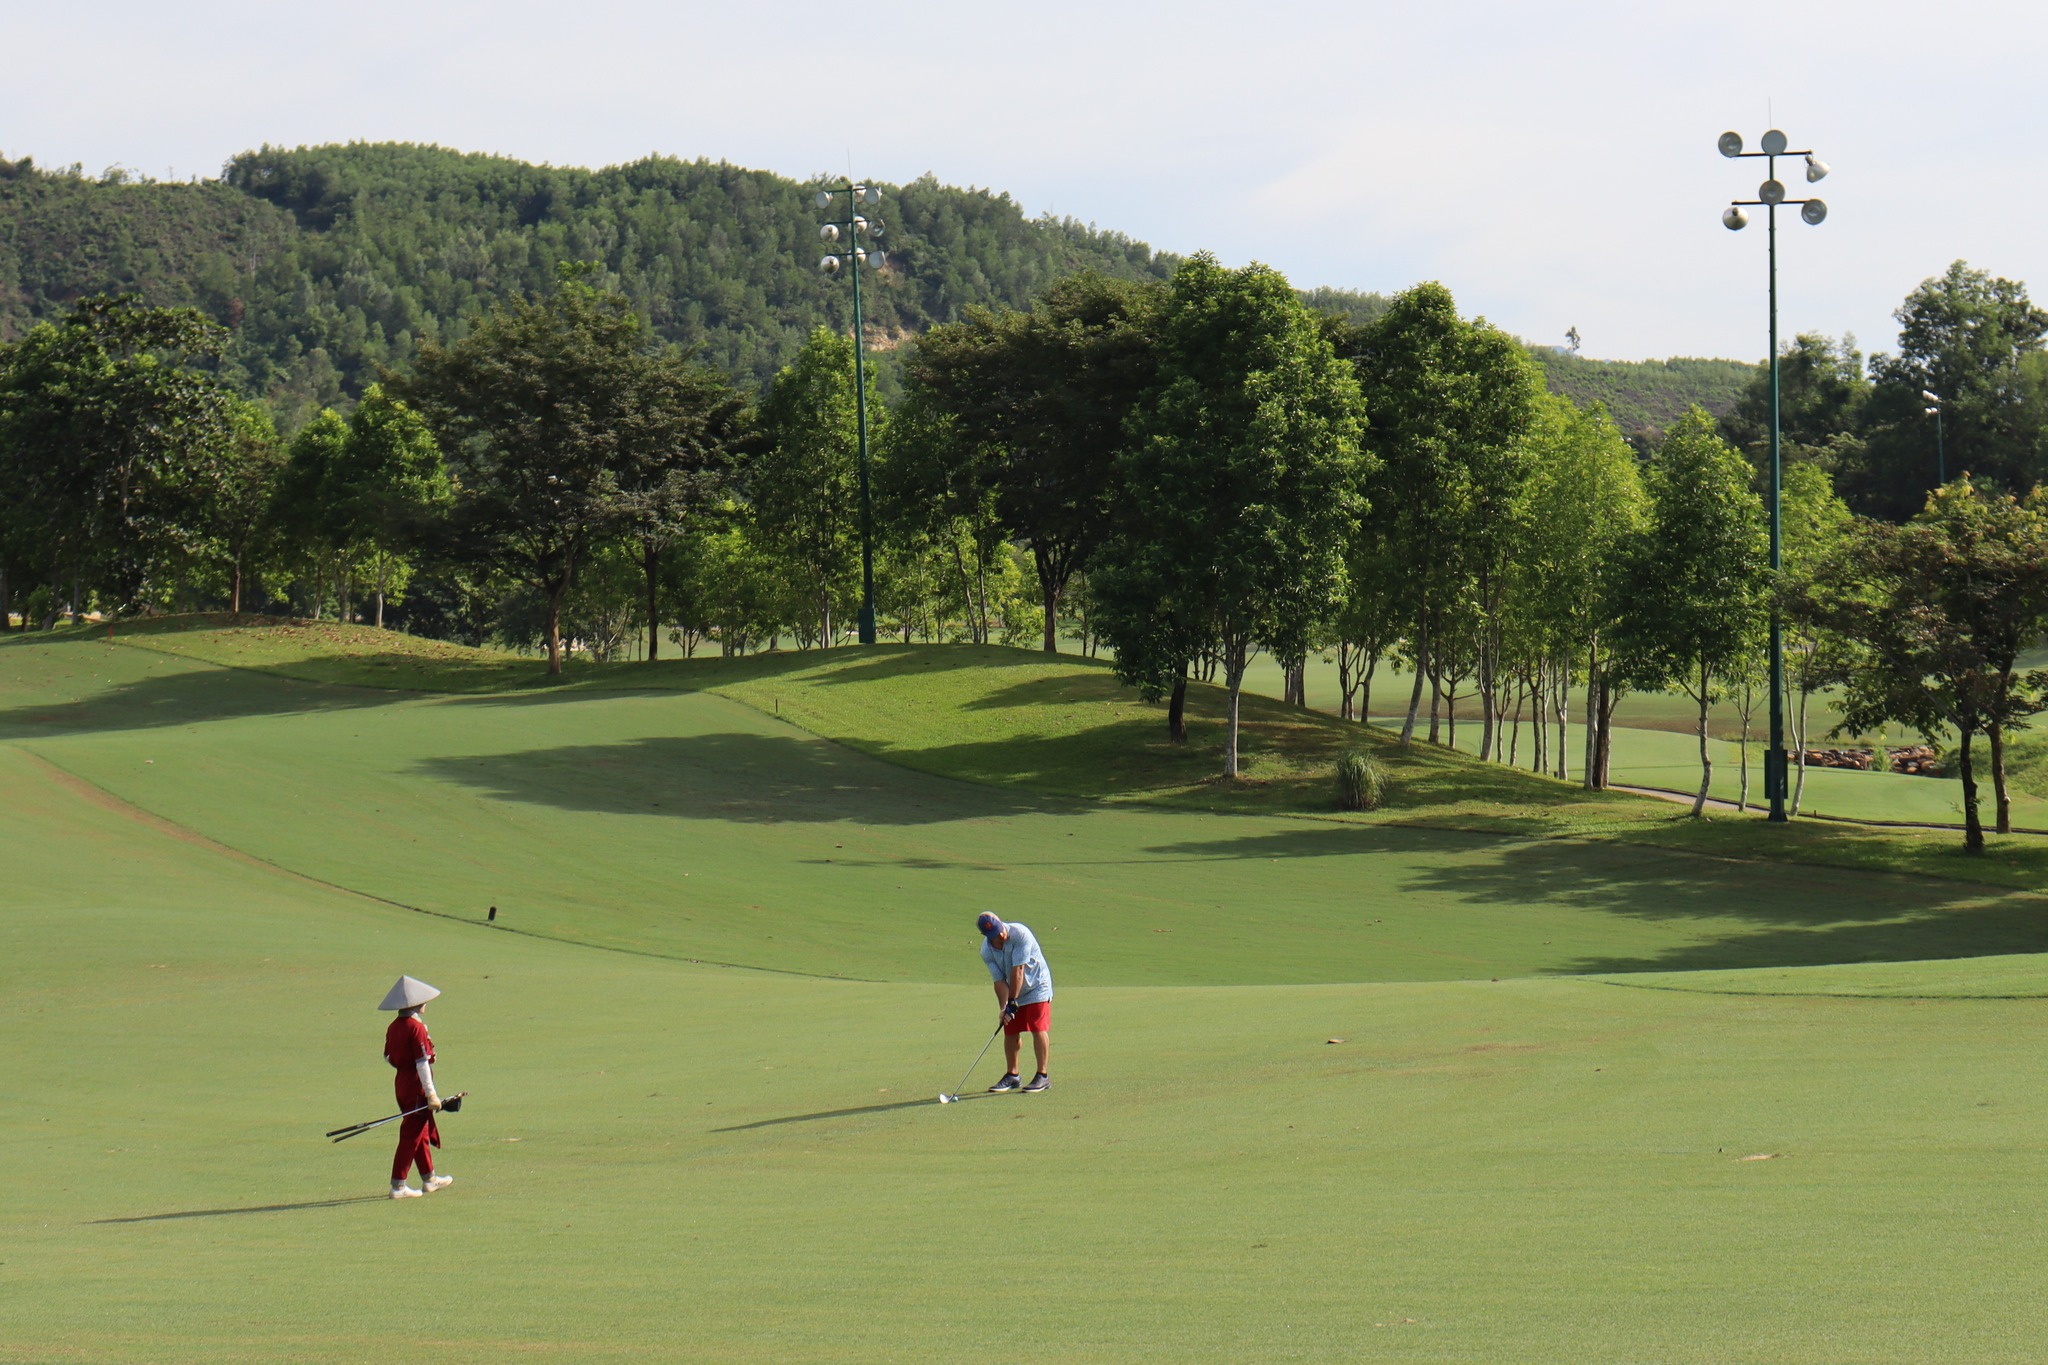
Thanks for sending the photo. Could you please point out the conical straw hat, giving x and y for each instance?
(408, 993)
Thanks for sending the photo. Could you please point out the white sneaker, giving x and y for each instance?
(438, 1182)
(405, 1192)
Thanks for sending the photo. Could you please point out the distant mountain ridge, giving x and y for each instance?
(329, 263)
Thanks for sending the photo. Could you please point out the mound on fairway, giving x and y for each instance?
(214, 872)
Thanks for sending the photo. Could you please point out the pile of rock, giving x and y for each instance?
(1859, 759)
(1917, 761)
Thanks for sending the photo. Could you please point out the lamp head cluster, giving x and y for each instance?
(1771, 193)
(851, 229)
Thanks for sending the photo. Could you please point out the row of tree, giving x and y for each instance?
(1194, 471)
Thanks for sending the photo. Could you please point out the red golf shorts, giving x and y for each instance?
(1036, 1017)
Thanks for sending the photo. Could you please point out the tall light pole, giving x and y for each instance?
(1940, 450)
(852, 256)
(1770, 194)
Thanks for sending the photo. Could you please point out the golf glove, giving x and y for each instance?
(1009, 1011)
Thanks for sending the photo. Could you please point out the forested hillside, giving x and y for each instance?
(330, 262)
(1646, 396)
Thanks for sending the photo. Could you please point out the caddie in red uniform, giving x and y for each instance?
(411, 1053)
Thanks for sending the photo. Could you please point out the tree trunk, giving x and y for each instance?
(1436, 702)
(1233, 679)
(1742, 752)
(554, 628)
(1177, 710)
(1973, 825)
(1609, 700)
(234, 595)
(650, 560)
(1590, 774)
(1344, 680)
(1561, 706)
(824, 617)
(1799, 747)
(1699, 804)
(1365, 689)
(1421, 667)
(1051, 586)
(1487, 699)
(1998, 788)
(1539, 723)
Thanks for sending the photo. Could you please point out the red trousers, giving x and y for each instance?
(417, 1136)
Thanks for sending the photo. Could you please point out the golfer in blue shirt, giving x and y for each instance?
(1023, 993)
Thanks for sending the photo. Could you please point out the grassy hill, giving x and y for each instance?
(1646, 396)
(1295, 1115)
(329, 262)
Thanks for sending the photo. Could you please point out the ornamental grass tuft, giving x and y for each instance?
(1361, 781)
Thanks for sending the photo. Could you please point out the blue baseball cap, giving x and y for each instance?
(991, 927)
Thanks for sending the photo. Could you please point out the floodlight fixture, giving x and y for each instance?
(872, 194)
(1735, 219)
(1932, 412)
(1814, 211)
(1816, 169)
(1730, 144)
(829, 233)
(1772, 192)
(824, 199)
(830, 265)
(1774, 143)
(1930, 396)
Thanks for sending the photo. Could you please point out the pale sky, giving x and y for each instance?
(1553, 164)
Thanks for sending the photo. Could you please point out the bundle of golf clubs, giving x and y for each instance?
(451, 1105)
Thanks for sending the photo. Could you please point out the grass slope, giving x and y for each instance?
(676, 1163)
(682, 823)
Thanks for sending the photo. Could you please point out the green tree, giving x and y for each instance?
(1944, 607)
(1697, 573)
(1244, 475)
(1822, 392)
(388, 483)
(1036, 405)
(1581, 510)
(532, 410)
(805, 483)
(232, 491)
(308, 515)
(1817, 527)
(1976, 341)
(1451, 403)
(103, 417)
(687, 426)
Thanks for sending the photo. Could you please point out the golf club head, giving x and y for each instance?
(944, 1098)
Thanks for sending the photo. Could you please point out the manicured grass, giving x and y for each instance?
(663, 1162)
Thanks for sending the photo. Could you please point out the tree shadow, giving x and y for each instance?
(186, 698)
(254, 1208)
(1771, 914)
(741, 777)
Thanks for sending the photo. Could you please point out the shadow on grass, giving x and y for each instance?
(254, 1208)
(1748, 913)
(850, 1113)
(748, 778)
(191, 698)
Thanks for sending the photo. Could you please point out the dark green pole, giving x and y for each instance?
(1940, 450)
(1776, 762)
(860, 400)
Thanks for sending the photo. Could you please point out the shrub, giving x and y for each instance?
(1361, 781)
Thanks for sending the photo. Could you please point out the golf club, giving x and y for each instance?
(451, 1105)
(944, 1097)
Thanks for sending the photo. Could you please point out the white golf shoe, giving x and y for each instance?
(437, 1182)
(405, 1192)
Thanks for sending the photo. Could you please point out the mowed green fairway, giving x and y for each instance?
(672, 1160)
